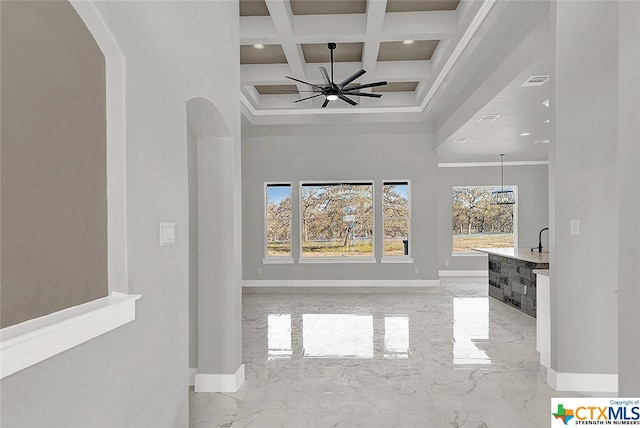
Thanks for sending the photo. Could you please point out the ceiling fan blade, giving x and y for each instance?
(306, 83)
(368, 85)
(343, 98)
(361, 94)
(351, 78)
(325, 76)
(324, 104)
(291, 91)
(307, 98)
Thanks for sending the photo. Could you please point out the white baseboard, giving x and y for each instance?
(463, 272)
(584, 382)
(205, 382)
(192, 376)
(342, 283)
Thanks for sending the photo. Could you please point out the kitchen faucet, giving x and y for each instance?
(540, 239)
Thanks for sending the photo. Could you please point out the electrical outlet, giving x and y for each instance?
(259, 271)
(446, 262)
(416, 271)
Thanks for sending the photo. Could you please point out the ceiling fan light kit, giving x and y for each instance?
(333, 91)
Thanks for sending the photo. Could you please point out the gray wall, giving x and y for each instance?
(192, 160)
(340, 152)
(629, 202)
(137, 375)
(583, 170)
(54, 179)
(533, 207)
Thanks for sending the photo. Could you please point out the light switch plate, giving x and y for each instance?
(574, 226)
(167, 233)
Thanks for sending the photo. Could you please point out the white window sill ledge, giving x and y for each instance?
(28, 343)
(396, 260)
(277, 261)
(467, 254)
(337, 260)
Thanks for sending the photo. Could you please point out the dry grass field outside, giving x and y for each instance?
(392, 247)
(482, 240)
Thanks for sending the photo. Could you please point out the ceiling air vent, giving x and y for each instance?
(461, 140)
(489, 117)
(538, 80)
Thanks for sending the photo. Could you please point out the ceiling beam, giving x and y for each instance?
(397, 26)
(392, 71)
(282, 16)
(375, 21)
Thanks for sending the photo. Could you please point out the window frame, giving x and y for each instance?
(341, 259)
(401, 258)
(267, 259)
(472, 253)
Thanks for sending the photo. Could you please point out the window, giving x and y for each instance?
(396, 218)
(337, 220)
(278, 220)
(478, 224)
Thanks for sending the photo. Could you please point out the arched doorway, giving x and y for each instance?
(213, 298)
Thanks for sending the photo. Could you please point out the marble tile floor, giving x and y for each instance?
(446, 356)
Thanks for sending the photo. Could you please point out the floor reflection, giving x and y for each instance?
(354, 336)
(396, 337)
(279, 336)
(337, 336)
(470, 327)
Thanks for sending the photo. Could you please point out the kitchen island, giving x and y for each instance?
(511, 276)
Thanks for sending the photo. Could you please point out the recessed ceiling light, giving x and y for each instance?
(407, 42)
(538, 80)
(541, 142)
(489, 117)
(546, 102)
(525, 134)
(461, 140)
(258, 46)
(547, 121)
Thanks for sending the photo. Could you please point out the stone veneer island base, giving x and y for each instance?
(511, 276)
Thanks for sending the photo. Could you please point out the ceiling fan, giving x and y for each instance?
(334, 91)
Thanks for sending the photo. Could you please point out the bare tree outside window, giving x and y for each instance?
(278, 217)
(479, 224)
(337, 220)
(396, 221)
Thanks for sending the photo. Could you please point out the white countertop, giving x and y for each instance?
(524, 254)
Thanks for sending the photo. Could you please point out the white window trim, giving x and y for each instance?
(397, 259)
(471, 253)
(267, 259)
(362, 259)
(26, 344)
(311, 260)
(278, 260)
(402, 258)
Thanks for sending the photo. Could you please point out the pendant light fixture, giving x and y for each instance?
(502, 196)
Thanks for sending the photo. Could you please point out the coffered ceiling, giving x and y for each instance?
(427, 51)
